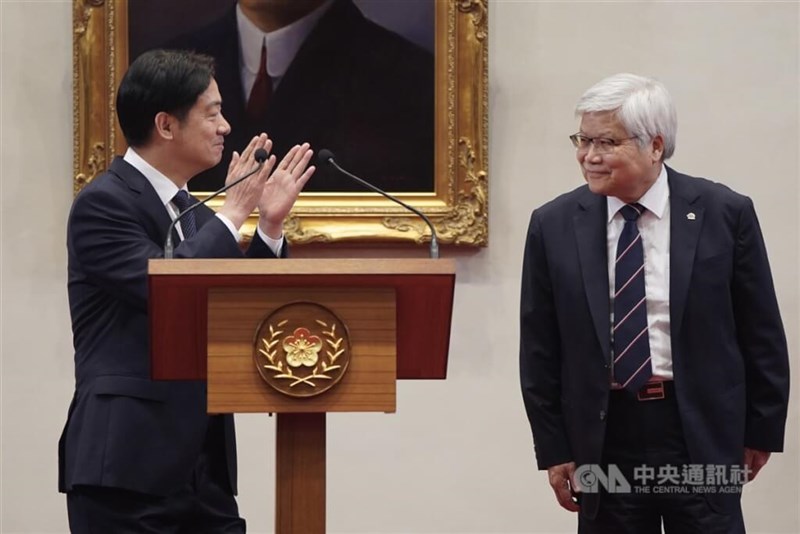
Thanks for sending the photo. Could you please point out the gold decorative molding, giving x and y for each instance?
(93, 72)
(458, 207)
(293, 227)
(479, 9)
(96, 164)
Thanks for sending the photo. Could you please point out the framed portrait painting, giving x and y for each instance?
(395, 89)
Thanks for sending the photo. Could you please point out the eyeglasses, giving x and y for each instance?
(602, 145)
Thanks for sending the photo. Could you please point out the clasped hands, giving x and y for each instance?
(273, 189)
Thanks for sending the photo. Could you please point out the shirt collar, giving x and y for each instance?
(282, 44)
(655, 199)
(165, 188)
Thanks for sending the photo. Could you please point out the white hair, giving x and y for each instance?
(643, 105)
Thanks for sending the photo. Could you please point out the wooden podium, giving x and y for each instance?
(235, 315)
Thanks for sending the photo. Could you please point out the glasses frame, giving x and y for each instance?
(607, 144)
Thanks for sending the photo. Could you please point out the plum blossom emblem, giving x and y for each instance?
(302, 348)
(305, 359)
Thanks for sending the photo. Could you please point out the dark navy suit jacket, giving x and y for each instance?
(124, 430)
(729, 353)
(354, 87)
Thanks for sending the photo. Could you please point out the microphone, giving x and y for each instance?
(325, 156)
(260, 156)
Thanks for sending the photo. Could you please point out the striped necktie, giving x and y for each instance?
(632, 368)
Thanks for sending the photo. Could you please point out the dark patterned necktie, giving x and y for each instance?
(261, 92)
(187, 222)
(632, 368)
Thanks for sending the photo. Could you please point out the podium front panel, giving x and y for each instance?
(236, 315)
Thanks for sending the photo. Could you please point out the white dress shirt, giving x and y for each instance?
(654, 229)
(166, 191)
(282, 46)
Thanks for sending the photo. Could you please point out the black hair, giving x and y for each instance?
(160, 80)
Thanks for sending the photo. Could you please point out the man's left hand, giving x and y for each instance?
(754, 460)
(283, 188)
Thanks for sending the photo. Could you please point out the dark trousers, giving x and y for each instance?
(205, 504)
(649, 433)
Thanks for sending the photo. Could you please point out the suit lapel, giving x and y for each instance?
(146, 200)
(686, 221)
(150, 203)
(590, 223)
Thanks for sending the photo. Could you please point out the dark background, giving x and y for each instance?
(157, 21)
(153, 23)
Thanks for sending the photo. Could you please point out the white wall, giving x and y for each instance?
(457, 457)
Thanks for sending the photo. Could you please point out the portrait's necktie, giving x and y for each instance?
(261, 92)
(632, 368)
(187, 222)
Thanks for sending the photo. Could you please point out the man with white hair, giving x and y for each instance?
(653, 361)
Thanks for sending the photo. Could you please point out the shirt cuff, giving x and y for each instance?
(275, 245)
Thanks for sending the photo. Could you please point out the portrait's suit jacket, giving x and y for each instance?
(124, 430)
(729, 351)
(354, 87)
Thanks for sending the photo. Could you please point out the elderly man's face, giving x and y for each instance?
(625, 171)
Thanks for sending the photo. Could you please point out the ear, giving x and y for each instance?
(165, 125)
(657, 145)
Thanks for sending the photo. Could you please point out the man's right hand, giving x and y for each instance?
(240, 201)
(561, 479)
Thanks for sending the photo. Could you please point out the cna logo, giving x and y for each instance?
(691, 478)
(591, 477)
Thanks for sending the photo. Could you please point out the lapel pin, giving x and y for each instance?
(690, 216)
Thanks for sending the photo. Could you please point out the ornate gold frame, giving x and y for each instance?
(459, 205)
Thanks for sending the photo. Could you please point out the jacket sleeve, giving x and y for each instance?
(540, 354)
(259, 249)
(107, 237)
(760, 336)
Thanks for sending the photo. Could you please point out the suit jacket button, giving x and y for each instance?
(602, 415)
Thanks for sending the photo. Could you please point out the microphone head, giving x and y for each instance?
(260, 155)
(325, 156)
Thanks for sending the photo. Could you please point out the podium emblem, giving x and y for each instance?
(302, 349)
